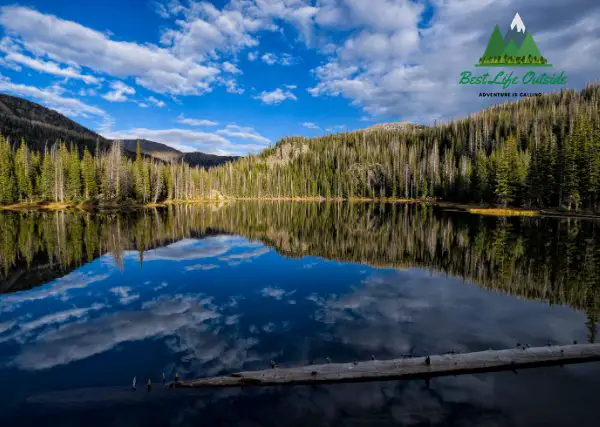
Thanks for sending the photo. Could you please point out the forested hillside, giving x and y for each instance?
(41, 126)
(539, 152)
(542, 152)
(197, 158)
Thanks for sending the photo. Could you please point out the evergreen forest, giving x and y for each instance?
(540, 152)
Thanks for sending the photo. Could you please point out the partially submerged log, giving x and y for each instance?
(407, 368)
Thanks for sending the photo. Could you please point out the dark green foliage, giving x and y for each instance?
(511, 49)
(24, 171)
(529, 47)
(539, 152)
(495, 46)
(8, 193)
(88, 172)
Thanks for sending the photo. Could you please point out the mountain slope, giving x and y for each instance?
(38, 125)
(41, 126)
(169, 154)
(206, 160)
(154, 149)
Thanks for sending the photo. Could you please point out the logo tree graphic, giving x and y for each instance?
(516, 49)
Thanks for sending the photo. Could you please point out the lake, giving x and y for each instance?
(91, 300)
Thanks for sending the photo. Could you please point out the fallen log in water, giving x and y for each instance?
(408, 368)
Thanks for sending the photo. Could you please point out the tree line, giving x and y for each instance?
(538, 152)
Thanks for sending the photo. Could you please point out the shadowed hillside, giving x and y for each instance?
(40, 126)
(169, 154)
(153, 149)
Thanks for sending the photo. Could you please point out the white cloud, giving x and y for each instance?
(276, 293)
(68, 42)
(379, 55)
(276, 96)
(269, 327)
(196, 267)
(231, 86)
(206, 29)
(187, 140)
(60, 288)
(311, 125)
(390, 67)
(59, 317)
(87, 92)
(269, 58)
(69, 106)
(119, 92)
(80, 340)
(195, 122)
(246, 255)
(157, 102)
(124, 294)
(49, 67)
(168, 8)
(242, 132)
(228, 67)
(283, 59)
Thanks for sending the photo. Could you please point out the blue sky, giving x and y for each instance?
(233, 76)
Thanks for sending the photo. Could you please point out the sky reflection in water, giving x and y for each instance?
(224, 303)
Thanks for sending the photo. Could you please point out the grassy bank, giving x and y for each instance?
(130, 205)
(45, 206)
(503, 212)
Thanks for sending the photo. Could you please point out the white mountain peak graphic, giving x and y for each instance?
(517, 22)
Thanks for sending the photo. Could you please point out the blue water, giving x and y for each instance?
(70, 348)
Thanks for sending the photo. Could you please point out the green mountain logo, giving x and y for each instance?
(516, 49)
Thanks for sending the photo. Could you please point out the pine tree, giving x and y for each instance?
(7, 173)
(88, 172)
(24, 172)
(48, 175)
(139, 173)
(504, 190)
(73, 175)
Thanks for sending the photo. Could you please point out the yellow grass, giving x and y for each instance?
(47, 206)
(503, 212)
(287, 199)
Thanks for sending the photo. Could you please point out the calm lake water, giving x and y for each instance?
(90, 301)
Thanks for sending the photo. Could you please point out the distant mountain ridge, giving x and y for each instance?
(170, 154)
(41, 126)
(151, 148)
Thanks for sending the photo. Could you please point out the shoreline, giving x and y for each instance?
(128, 205)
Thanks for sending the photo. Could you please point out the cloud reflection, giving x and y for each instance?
(79, 340)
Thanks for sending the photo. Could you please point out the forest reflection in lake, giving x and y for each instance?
(92, 299)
